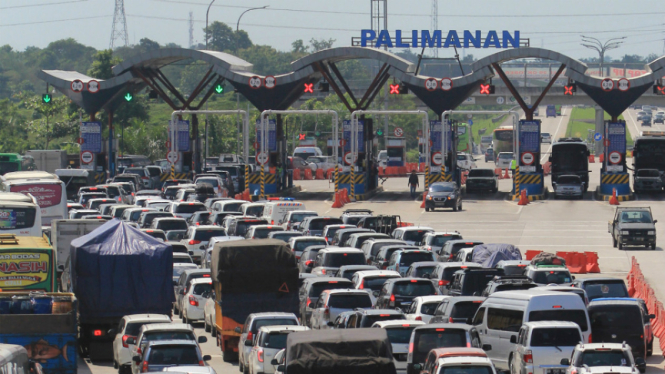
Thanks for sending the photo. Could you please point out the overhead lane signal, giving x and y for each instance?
(394, 89)
(486, 89)
(219, 88)
(309, 88)
(47, 98)
(569, 90)
(659, 89)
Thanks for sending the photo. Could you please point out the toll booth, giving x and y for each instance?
(450, 172)
(344, 181)
(92, 156)
(613, 174)
(530, 171)
(270, 173)
(396, 149)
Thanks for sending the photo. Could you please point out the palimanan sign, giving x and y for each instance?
(425, 38)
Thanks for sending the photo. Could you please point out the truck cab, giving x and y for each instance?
(633, 226)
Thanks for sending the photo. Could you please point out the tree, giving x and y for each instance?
(44, 126)
(147, 45)
(102, 64)
(222, 38)
(318, 45)
(299, 47)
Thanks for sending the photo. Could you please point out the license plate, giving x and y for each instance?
(555, 371)
(639, 239)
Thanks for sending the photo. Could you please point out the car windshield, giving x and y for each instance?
(429, 308)
(422, 271)
(552, 276)
(555, 337)
(201, 288)
(636, 217)
(648, 173)
(465, 309)
(172, 224)
(411, 288)
(233, 171)
(568, 179)
(428, 339)
(441, 188)
(603, 358)
(615, 318)
(139, 172)
(319, 224)
(514, 286)
(571, 315)
(414, 235)
(167, 335)
(375, 283)
(202, 217)
(400, 335)
(273, 322)
(298, 217)
(408, 258)
(461, 157)
(285, 236)
(605, 289)
(113, 191)
(300, 245)
(176, 234)
(514, 269)
(370, 319)
(262, 233)
(189, 208)
(174, 355)
(275, 340)
(232, 207)
(484, 173)
(466, 369)
(181, 260)
(177, 270)
(133, 328)
(211, 181)
(340, 259)
(440, 240)
(243, 226)
(350, 301)
(256, 211)
(319, 287)
(205, 235)
(353, 220)
(505, 156)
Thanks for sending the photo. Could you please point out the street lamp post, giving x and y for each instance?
(601, 48)
(207, 31)
(207, 147)
(243, 13)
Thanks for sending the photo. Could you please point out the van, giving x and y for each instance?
(275, 211)
(305, 152)
(502, 315)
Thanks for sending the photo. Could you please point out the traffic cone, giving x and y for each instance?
(602, 157)
(592, 159)
(614, 200)
(505, 174)
(338, 200)
(422, 205)
(524, 200)
(345, 196)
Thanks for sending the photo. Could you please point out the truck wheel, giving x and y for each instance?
(206, 327)
(230, 356)
(653, 248)
(213, 331)
(619, 244)
(241, 367)
(614, 242)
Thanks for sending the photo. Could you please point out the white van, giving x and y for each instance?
(305, 152)
(47, 188)
(275, 211)
(20, 215)
(502, 315)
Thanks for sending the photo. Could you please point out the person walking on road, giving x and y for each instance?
(413, 183)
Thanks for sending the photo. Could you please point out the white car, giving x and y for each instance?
(262, 231)
(185, 209)
(411, 234)
(161, 331)
(298, 244)
(422, 307)
(209, 314)
(321, 162)
(600, 358)
(129, 327)
(467, 360)
(399, 334)
(333, 302)
(216, 182)
(546, 137)
(191, 369)
(194, 300)
(227, 205)
(540, 346)
(269, 341)
(371, 281)
(466, 161)
(197, 238)
(293, 218)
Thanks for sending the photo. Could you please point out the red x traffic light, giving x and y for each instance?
(301, 136)
(659, 90)
(394, 89)
(309, 87)
(486, 89)
(568, 90)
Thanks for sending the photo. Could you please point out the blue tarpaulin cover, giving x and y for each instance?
(488, 255)
(118, 270)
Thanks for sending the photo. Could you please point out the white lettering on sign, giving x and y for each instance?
(607, 84)
(529, 127)
(617, 130)
(431, 84)
(446, 84)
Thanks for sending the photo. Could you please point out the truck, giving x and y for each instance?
(649, 153)
(114, 271)
(47, 332)
(258, 275)
(14, 162)
(550, 111)
(633, 226)
(48, 160)
(570, 156)
(63, 231)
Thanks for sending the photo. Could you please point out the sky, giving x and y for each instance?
(556, 25)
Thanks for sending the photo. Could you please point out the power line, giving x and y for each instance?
(42, 4)
(55, 20)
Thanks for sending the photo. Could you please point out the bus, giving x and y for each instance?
(47, 188)
(649, 151)
(463, 137)
(75, 179)
(27, 263)
(14, 162)
(570, 156)
(503, 139)
(20, 214)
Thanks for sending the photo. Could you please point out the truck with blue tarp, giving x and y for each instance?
(43, 323)
(114, 271)
(250, 276)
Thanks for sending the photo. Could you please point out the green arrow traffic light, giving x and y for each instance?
(46, 98)
(129, 97)
(318, 133)
(379, 132)
(219, 89)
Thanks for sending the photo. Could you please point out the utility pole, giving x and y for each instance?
(379, 21)
(119, 27)
(191, 29)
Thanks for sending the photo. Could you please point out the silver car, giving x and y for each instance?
(333, 302)
(269, 341)
(568, 186)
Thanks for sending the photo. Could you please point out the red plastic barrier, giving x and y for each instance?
(308, 174)
(319, 174)
(577, 264)
(592, 159)
(272, 169)
(296, 175)
(547, 168)
(402, 170)
(592, 262)
(330, 173)
(338, 200)
(565, 256)
(531, 253)
(421, 167)
(602, 157)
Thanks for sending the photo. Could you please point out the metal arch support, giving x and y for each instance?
(245, 132)
(354, 135)
(264, 128)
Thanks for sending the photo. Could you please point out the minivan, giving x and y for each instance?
(502, 315)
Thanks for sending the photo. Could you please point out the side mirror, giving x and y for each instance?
(513, 339)
(273, 362)
(487, 347)
(249, 343)
(237, 330)
(61, 268)
(311, 305)
(565, 361)
(281, 368)
(652, 316)
(207, 358)
(202, 339)
(131, 341)
(655, 221)
(137, 359)
(572, 276)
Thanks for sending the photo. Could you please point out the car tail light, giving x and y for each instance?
(450, 257)
(308, 262)
(193, 301)
(323, 271)
(439, 329)
(144, 368)
(201, 363)
(259, 354)
(192, 242)
(124, 340)
(397, 268)
(528, 357)
(362, 285)
(392, 301)
(411, 347)
(250, 336)
(418, 318)
(272, 222)
(429, 249)
(144, 178)
(326, 313)
(414, 281)
(590, 336)
(451, 320)
(443, 282)
(97, 333)
(309, 301)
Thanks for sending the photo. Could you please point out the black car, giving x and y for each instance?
(489, 154)
(633, 226)
(471, 282)
(443, 195)
(400, 292)
(482, 180)
(602, 287)
(364, 318)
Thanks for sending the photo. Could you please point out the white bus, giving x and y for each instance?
(47, 188)
(20, 215)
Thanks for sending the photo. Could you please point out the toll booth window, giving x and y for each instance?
(395, 152)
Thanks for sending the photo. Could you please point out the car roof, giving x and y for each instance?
(167, 327)
(352, 267)
(397, 323)
(594, 346)
(595, 280)
(341, 250)
(325, 279)
(272, 315)
(153, 343)
(415, 228)
(346, 291)
(427, 299)
(379, 311)
(408, 279)
(197, 271)
(280, 328)
(423, 263)
(551, 324)
(459, 326)
(207, 227)
(613, 301)
(370, 273)
(445, 233)
(147, 317)
(159, 219)
(180, 254)
(513, 262)
(459, 299)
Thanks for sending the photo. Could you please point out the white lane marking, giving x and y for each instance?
(328, 211)
(634, 124)
(554, 135)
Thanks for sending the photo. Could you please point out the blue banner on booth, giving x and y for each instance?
(346, 135)
(529, 136)
(272, 134)
(183, 135)
(91, 132)
(616, 134)
(435, 136)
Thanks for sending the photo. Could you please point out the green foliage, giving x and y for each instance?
(102, 64)
(584, 119)
(221, 37)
